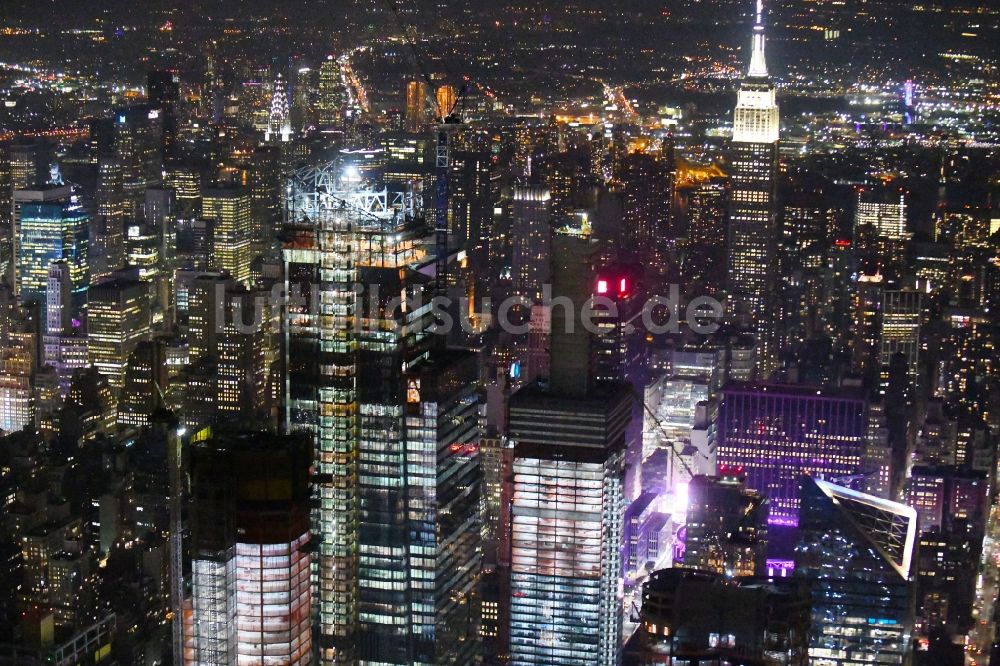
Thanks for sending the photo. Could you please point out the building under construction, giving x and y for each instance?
(396, 480)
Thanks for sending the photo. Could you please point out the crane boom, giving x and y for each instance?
(447, 123)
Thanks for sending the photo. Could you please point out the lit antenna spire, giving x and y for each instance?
(758, 65)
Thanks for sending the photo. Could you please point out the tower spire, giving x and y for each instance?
(278, 124)
(758, 65)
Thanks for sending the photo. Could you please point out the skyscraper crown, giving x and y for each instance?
(758, 64)
(756, 118)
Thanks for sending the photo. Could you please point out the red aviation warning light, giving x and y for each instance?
(613, 285)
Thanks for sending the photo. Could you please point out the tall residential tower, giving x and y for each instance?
(566, 501)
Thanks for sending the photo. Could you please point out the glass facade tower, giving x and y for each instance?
(397, 473)
(52, 224)
(250, 599)
(566, 527)
(856, 552)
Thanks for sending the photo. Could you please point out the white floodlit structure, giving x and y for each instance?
(279, 122)
(317, 192)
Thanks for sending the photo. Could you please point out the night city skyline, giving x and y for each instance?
(413, 333)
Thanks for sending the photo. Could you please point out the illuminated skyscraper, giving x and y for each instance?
(6, 209)
(160, 211)
(205, 307)
(17, 364)
(884, 212)
(118, 318)
(331, 92)
(58, 298)
(24, 162)
(531, 235)
(230, 210)
(132, 139)
(776, 433)
(397, 473)
(566, 526)
(857, 553)
(142, 249)
(22, 165)
(947, 499)
(185, 181)
(880, 226)
(408, 157)
(878, 452)
(706, 206)
(109, 232)
(163, 90)
(900, 328)
(620, 348)
(63, 343)
(443, 472)
(250, 599)
(446, 98)
(245, 344)
(562, 175)
(279, 126)
(144, 383)
(229, 329)
(28, 162)
(752, 238)
(416, 106)
(567, 497)
(951, 505)
(265, 196)
(51, 224)
(648, 191)
(474, 193)
(866, 306)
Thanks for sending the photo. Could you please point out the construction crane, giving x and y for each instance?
(447, 125)
(447, 122)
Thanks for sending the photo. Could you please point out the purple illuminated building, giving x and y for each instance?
(646, 535)
(777, 433)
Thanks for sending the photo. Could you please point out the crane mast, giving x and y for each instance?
(448, 122)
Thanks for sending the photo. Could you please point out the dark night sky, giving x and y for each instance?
(60, 10)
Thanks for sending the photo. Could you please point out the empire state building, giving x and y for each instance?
(752, 257)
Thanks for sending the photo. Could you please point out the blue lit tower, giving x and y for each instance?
(856, 552)
(51, 224)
